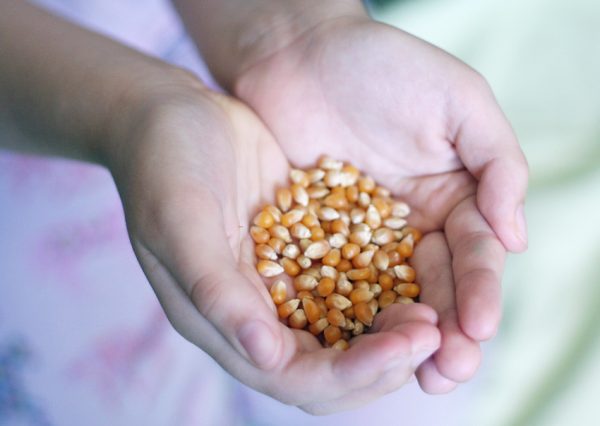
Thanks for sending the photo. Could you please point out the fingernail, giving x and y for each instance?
(521, 224)
(259, 342)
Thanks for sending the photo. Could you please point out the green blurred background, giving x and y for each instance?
(542, 59)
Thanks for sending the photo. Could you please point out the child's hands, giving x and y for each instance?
(192, 174)
(192, 167)
(420, 122)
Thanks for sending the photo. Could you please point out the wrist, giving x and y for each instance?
(139, 106)
(274, 29)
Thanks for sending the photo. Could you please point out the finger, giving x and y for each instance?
(421, 339)
(477, 264)
(195, 249)
(459, 355)
(431, 381)
(489, 149)
(308, 372)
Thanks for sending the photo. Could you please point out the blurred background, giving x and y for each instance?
(83, 340)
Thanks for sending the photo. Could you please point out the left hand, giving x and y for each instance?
(427, 126)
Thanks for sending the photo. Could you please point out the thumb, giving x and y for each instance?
(489, 149)
(196, 251)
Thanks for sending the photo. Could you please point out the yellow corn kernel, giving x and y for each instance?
(315, 175)
(297, 319)
(311, 309)
(304, 294)
(278, 292)
(283, 197)
(286, 309)
(317, 192)
(291, 217)
(366, 184)
(350, 250)
(358, 274)
(303, 261)
(386, 298)
(336, 201)
(298, 230)
(352, 193)
(372, 217)
(336, 318)
(363, 313)
(349, 313)
(277, 244)
(363, 259)
(281, 232)
(320, 301)
(299, 177)
(373, 305)
(395, 258)
(386, 281)
(264, 219)
(313, 272)
(383, 236)
(305, 282)
(362, 284)
(265, 251)
(268, 268)
(273, 211)
(329, 272)
(309, 220)
(338, 226)
(383, 206)
(373, 274)
(381, 192)
(300, 195)
(325, 162)
(357, 215)
(400, 209)
(406, 246)
(405, 273)
(348, 324)
(317, 233)
(343, 286)
(416, 234)
(381, 260)
(332, 258)
(408, 289)
(364, 200)
(332, 334)
(337, 301)
(317, 250)
(360, 295)
(325, 287)
(291, 251)
(259, 235)
(395, 223)
(359, 328)
(375, 289)
(290, 266)
(327, 214)
(360, 234)
(341, 345)
(344, 265)
(318, 327)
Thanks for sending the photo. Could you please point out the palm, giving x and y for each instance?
(366, 93)
(188, 204)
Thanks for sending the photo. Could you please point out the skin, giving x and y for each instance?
(326, 78)
(192, 168)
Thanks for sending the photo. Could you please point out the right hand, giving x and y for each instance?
(194, 170)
